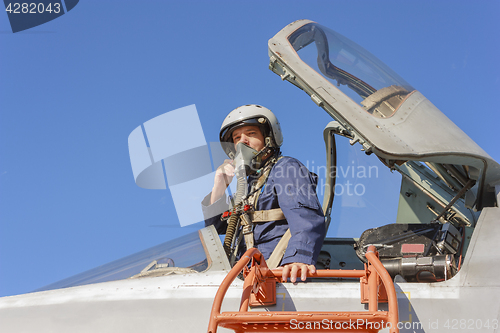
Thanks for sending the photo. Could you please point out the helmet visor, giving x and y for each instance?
(226, 133)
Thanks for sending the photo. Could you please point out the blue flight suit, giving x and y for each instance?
(291, 187)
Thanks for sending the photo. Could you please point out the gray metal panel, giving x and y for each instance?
(215, 251)
(175, 303)
(481, 265)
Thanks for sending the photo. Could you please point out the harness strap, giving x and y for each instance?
(279, 251)
(259, 184)
(260, 216)
(247, 230)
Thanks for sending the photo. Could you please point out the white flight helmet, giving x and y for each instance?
(250, 114)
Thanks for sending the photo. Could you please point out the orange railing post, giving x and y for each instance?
(243, 321)
(372, 256)
(221, 292)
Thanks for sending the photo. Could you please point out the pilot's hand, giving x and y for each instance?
(223, 177)
(293, 269)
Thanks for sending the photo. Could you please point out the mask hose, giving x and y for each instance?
(243, 165)
(233, 221)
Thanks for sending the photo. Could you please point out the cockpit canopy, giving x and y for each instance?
(356, 72)
(196, 252)
(375, 107)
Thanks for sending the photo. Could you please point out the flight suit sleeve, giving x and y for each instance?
(212, 213)
(295, 187)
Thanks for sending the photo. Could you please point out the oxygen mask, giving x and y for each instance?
(245, 160)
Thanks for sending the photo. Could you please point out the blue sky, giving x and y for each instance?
(73, 89)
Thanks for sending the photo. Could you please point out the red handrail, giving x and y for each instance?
(243, 321)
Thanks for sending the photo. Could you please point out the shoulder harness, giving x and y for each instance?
(250, 215)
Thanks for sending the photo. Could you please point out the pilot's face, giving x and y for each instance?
(249, 135)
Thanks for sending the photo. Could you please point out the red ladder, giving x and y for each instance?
(259, 289)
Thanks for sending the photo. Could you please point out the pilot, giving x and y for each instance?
(281, 187)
